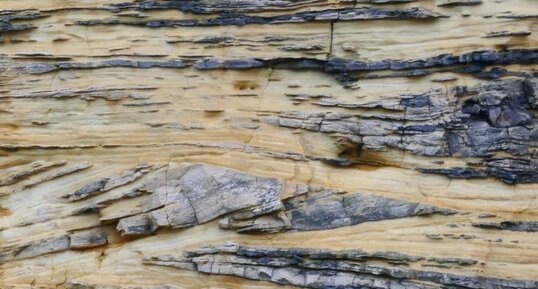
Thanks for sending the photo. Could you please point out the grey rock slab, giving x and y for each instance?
(318, 268)
(84, 239)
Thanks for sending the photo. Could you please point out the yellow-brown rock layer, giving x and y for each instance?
(265, 144)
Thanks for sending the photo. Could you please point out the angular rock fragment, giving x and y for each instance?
(29, 170)
(91, 189)
(81, 239)
(106, 184)
(60, 173)
(44, 246)
(34, 248)
(136, 225)
(100, 204)
(185, 195)
(88, 238)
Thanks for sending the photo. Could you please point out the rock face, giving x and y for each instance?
(381, 144)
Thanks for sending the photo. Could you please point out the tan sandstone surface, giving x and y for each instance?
(268, 144)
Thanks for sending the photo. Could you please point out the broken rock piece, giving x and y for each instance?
(105, 184)
(184, 195)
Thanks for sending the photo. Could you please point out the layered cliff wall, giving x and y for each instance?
(269, 144)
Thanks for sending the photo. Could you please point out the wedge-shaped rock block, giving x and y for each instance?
(328, 209)
(76, 240)
(189, 194)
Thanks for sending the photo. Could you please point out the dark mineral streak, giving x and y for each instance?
(322, 268)
(327, 209)
(346, 14)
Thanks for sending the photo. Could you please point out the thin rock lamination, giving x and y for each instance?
(317, 209)
(345, 14)
(289, 90)
(322, 268)
(477, 122)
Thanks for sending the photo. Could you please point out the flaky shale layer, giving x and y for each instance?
(380, 144)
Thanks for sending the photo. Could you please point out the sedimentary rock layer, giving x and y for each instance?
(335, 143)
(319, 268)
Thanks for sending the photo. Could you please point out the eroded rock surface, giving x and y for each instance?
(186, 195)
(319, 268)
(497, 116)
(327, 209)
(337, 144)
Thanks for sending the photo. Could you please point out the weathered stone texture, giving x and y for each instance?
(155, 144)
